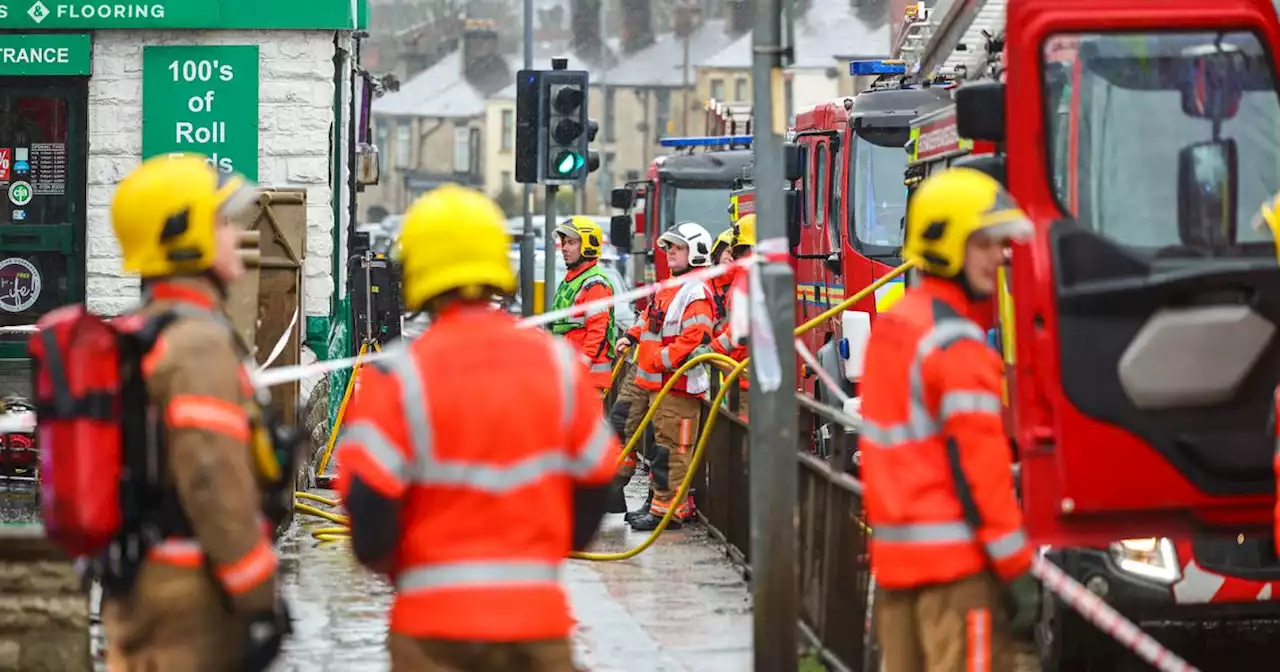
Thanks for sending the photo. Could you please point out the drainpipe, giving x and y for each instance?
(351, 137)
(335, 181)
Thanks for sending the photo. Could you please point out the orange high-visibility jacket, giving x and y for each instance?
(935, 456)
(592, 337)
(666, 343)
(724, 343)
(480, 429)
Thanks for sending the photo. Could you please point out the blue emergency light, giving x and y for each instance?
(880, 67)
(706, 141)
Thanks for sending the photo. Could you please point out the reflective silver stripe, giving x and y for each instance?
(923, 533)
(402, 364)
(376, 443)
(955, 403)
(578, 321)
(565, 357)
(921, 423)
(650, 337)
(601, 367)
(593, 281)
(490, 574)
(648, 377)
(724, 341)
(591, 453)
(1007, 546)
(695, 321)
(666, 359)
(592, 312)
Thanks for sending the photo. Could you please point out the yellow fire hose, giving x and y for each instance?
(735, 368)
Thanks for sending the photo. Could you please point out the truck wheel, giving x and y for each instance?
(1065, 642)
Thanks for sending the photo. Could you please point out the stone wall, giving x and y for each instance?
(295, 115)
(44, 614)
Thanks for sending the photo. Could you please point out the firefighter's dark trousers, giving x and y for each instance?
(625, 416)
(435, 655)
(961, 626)
(173, 619)
(675, 428)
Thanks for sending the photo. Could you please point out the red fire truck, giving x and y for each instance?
(1139, 333)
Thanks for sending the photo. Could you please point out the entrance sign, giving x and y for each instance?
(19, 285)
(202, 100)
(46, 54)
(29, 15)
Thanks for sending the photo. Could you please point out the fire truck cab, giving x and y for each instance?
(1136, 136)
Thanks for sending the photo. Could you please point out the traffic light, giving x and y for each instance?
(593, 157)
(566, 129)
(528, 126)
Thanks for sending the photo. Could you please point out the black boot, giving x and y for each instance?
(617, 496)
(649, 522)
(641, 512)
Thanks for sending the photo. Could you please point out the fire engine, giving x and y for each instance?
(1139, 324)
(695, 183)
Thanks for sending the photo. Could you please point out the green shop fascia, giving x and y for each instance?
(46, 57)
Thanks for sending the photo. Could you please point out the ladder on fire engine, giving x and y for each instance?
(951, 41)
(728, 118)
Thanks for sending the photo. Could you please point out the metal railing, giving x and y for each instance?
(833, 572)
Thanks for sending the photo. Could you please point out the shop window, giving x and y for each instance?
(42, 178)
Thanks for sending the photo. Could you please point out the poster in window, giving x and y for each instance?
(49, 168)
(19, 285)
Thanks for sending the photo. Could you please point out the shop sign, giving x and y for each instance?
(183, 14)
(202, 100)
(19, 285)
(46, 54)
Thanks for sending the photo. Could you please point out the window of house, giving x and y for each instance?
(402, 145)
(661, 114)
(461, 149)
(740, 94)
(717, 88)
(382, 140)
(611, 114)
(508, 130)
(474, 150)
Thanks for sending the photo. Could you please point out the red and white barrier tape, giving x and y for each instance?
(1095, 610)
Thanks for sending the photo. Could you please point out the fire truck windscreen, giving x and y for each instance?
(708, 207)
(1124, 107)
(879, 200)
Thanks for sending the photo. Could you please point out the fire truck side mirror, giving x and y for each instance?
(793, 219)
(1208, 192)
(622, 198)
(620, 232)
(980, 111)
(792, 165)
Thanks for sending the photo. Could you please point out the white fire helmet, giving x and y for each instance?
(696, 237)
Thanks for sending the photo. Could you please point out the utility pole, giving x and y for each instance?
(773, 406)
(526, 240)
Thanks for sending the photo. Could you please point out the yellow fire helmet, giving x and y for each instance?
(586, 230)
(744, 232)
(725, 239)
(453, 238)
(1268, 219)
(949, 207)
(165, 214)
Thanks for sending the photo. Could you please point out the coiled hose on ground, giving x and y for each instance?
(732, 366)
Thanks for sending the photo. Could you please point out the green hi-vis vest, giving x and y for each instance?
(567, 292)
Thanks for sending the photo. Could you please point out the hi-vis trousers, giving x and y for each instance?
(952, 627)
(175, 618)
(436, 655)
(675, 428)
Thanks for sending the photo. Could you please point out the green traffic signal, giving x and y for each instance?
(568, 163)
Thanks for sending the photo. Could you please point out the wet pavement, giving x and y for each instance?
(680, 606)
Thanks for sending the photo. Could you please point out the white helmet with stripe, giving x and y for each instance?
(695, 237)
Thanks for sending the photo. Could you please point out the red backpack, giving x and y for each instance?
(91, 410)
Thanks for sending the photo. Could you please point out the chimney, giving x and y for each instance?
(585, 29)
(479, 48)
(637, 25)
(688, 17)
(742, 16)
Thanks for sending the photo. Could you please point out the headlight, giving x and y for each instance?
(1150, 558)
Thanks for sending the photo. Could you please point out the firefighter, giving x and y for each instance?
(678, 321)
(593, 333)
(742, 242)
(951, 560)
(722, 253)
(474, 458)
(628, 410)
(193, 600)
